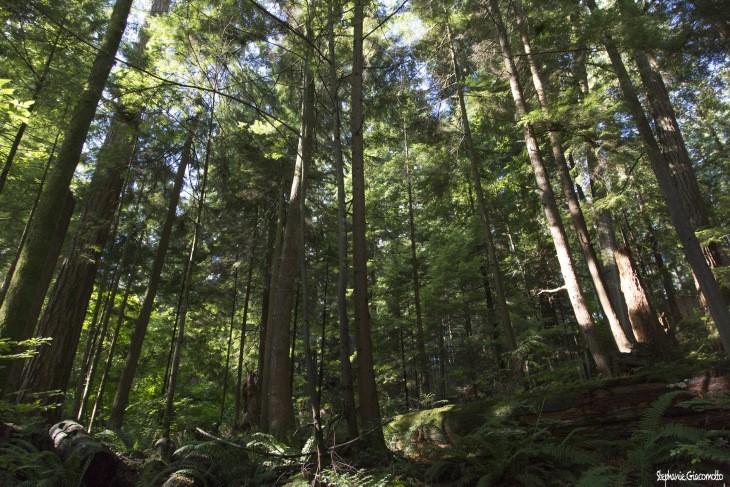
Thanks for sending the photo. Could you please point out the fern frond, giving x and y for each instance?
(651, 419)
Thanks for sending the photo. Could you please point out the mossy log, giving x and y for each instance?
(71, 440)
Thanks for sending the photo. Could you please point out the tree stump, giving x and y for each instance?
(71, 440)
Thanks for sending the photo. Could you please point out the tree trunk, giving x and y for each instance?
(672, 196)
(26, 282)
(14, 376)
(346, 383)
(24, 236)
(369, 406)
(420, 339)
(643, 318)
(99, 400)
(280, 410)
(39, 85)
(121, 398)
(238, 407)
(88, 379)
(226, 371)
(267, 313)
(186, 284)
(576, 213)
(309, 362)
(552, 214)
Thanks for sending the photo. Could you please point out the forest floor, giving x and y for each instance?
(623, 431)
(626, 431)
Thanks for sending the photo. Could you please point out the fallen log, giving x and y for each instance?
(70, 440)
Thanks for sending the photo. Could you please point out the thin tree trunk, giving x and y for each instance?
(309, 362)
(576, 213)
(403, 366)
(420, 339)
(552, 214)
(186, 284)
(241, 350)
(346, 383)
(88, 380)
(672, 196)
(40, 84)
(121, 398)
(99, 400)
(26, 282)
(89, 346)
(24, 236)
(485, 219)
(228, 351)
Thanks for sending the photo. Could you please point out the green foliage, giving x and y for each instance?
(656, 445)
(23, 465)
(12, 110)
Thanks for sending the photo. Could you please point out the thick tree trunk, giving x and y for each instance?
(552, 214)
(70, 440)
(278, 395)
(367, 390)
(267, 314)
(672, 196)
(26, 282)
(576, 213)
(14, 377)
(644, 320)
(121, 398)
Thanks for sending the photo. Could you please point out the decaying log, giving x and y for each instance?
(70, 439)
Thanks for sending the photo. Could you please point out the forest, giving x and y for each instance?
(364, 243)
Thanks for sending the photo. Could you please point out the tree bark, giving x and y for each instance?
(672, 196)
(369, 407)
(576, 213)
(346, 382)
(26, 282)
(280, 410)
(552, 214)
(14, 377)
(238, 407)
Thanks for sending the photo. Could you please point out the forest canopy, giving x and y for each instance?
(279, 225)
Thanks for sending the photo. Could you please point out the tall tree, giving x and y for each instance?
(279, 419)
(547, 198)
(346, 382)
(576, 212)
(121, 398)
(367, 390)
(672, 196)
(24, 285)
